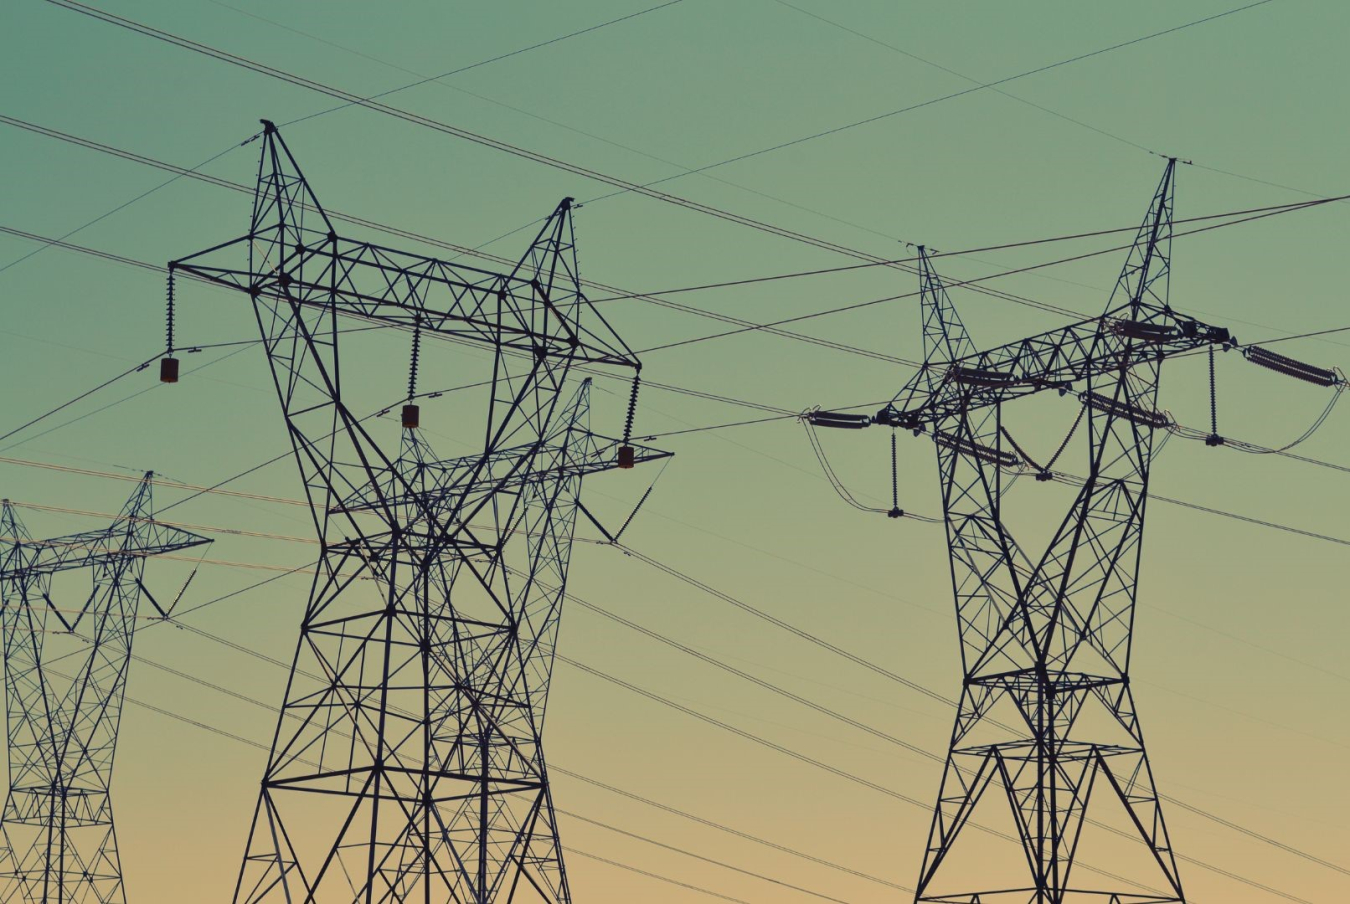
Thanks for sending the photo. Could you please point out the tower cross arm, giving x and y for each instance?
(83, 550)
(1058, 359)
(453, 478)
(389, 287)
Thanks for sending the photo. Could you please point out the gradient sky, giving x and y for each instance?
(1239, 664)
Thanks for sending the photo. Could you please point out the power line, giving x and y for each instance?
(873, 786)
(705, 859)
(84, 395)
(656, 296)
(816, 640)
(1004, 246)
(534, 156)
(960, 75)
(221, 732)
(252, 700)
(973, 283)
(436, 78)
(952, 96)
(732, 670)
(684, 814)
(126, 204)
(800, 700)
(422, 81)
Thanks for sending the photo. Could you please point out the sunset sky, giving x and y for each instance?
(1239, 665)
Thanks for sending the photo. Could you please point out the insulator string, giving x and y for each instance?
(632, 409)
(169, 315)
(416, 356)
(1213, 397)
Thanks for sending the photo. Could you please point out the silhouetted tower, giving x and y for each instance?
(67, 650)
(1046, 724)
(408, 763)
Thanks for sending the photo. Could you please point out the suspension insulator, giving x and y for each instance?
(1144, 332)
(627, 457)
(412, 417)
(980, 376)
(985, 453)
(1144, 417)
(1289, 367)
(168, 370)
(839, 420)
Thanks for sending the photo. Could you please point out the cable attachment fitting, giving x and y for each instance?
(168, 365)
(411, 417)
(627, 456)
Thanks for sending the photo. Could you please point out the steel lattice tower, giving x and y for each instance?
(66, 658)
(1046, 719)
(408, 763)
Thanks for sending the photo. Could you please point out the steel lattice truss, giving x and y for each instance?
(1046, 717)
(408, 763)
(66, 660)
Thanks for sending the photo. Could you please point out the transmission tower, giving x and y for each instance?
(67, 651)
(1046, 722)
(408, 762)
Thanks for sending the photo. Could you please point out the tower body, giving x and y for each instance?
(408, 761)
(1047, 749)
(67, 649)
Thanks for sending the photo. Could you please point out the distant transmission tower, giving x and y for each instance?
(408, 763)
(67, 650)
(1047, 742)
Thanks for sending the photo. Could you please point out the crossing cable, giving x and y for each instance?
(82, 396)
(423, 80)
(737, 833)
(127, 204)
(805, 702)
(710, 720)
(974, 281)
(616, 294)
(534, 156)
(785, 693)
(234, 563)
(218, 488)
(559, 770)
(781, 412)
(261, 746)
(654, 384)
(874, 786)
(714, 862)
(217, 730)
(623, 185)
(666, 879)
(244, 697)
(878, 669)
(555, 769)
(960, 75)
(194, 170)
(403, 233)
(134, 395)
(946, 97)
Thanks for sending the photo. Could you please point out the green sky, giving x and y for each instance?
(1239, 664)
